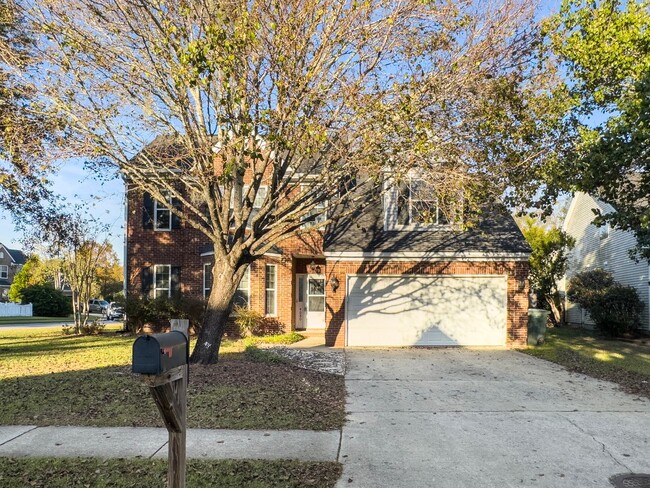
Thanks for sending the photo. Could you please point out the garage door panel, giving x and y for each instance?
(435, 310)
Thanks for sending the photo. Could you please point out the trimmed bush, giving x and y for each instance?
(156, 313)
(46, 301)
(614, 308)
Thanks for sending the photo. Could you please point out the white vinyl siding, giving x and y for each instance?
(596, 248)
(436, 310)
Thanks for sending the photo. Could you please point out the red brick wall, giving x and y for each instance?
(182, 247)
(146, 247)
(517, 325)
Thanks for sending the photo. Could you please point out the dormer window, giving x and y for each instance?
(414, 204)
(418, 204)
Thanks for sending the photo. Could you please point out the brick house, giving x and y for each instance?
(11, 261)
(378, 277)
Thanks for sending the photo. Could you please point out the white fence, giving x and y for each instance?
(15, 310)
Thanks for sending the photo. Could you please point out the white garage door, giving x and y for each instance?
(426, 310)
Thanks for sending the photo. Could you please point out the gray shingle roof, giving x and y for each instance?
(363, 231)
(17, 255)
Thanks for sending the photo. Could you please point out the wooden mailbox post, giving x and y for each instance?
(163, 360)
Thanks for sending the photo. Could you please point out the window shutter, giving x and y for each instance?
(147, 281)
(403, 193)
(147, 211)
(176, 220)
(390, 207)
(175, 282)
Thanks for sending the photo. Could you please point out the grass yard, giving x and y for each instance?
(34, 320)
(47, 378)
(622, 362)
(141, 473)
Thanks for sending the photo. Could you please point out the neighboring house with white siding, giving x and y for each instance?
(602, 247)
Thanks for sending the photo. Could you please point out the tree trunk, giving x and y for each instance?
(557, 316)
(219, 306)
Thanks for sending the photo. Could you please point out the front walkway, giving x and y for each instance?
(451, 418)
(128, 442)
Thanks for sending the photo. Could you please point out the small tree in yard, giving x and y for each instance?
(80, 254)
(614, 308)
(270, 109)
(548, 262)
(30, 274)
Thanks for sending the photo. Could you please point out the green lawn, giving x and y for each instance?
(624, 362)
(47, 378)
(34, 320)
(142, 473)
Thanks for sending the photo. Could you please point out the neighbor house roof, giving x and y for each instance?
(17, 256)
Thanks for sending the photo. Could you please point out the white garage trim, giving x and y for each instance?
(482, 322)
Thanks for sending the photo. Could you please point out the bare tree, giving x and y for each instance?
(270, 108)
(77, 254)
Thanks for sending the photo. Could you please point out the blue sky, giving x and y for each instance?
(104, 200)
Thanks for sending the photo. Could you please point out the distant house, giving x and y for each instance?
(11, 260)
(602, 247)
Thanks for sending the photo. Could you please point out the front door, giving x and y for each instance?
(310, 301)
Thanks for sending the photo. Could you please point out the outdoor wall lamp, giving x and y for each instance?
(313, 268)
(334, 282)
(521, 284)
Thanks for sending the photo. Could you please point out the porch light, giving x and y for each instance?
(313, 268)
(334, 283)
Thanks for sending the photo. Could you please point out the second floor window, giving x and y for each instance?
(4, 272)
(418, 205)
(162, 215)
(318, 213)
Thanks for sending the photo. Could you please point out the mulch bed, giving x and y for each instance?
(285, 395)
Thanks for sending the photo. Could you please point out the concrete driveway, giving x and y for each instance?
(459, 418)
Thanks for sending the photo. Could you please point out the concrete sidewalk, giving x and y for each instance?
(146, 442)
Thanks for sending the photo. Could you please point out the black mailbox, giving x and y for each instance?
(157, 353)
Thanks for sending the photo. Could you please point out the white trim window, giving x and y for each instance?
(319, 211)
(242, 294)
(207, 279)
(4, 272)
(162, 215)
(418, 205)
(162, 275)
(270, 289)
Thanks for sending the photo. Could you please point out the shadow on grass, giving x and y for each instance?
(236, 393)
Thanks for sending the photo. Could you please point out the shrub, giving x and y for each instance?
(257, 355)
(614, 308)
(156, 313)
(619, 310)
(248, 322)
(94, 327)
(46, 301)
